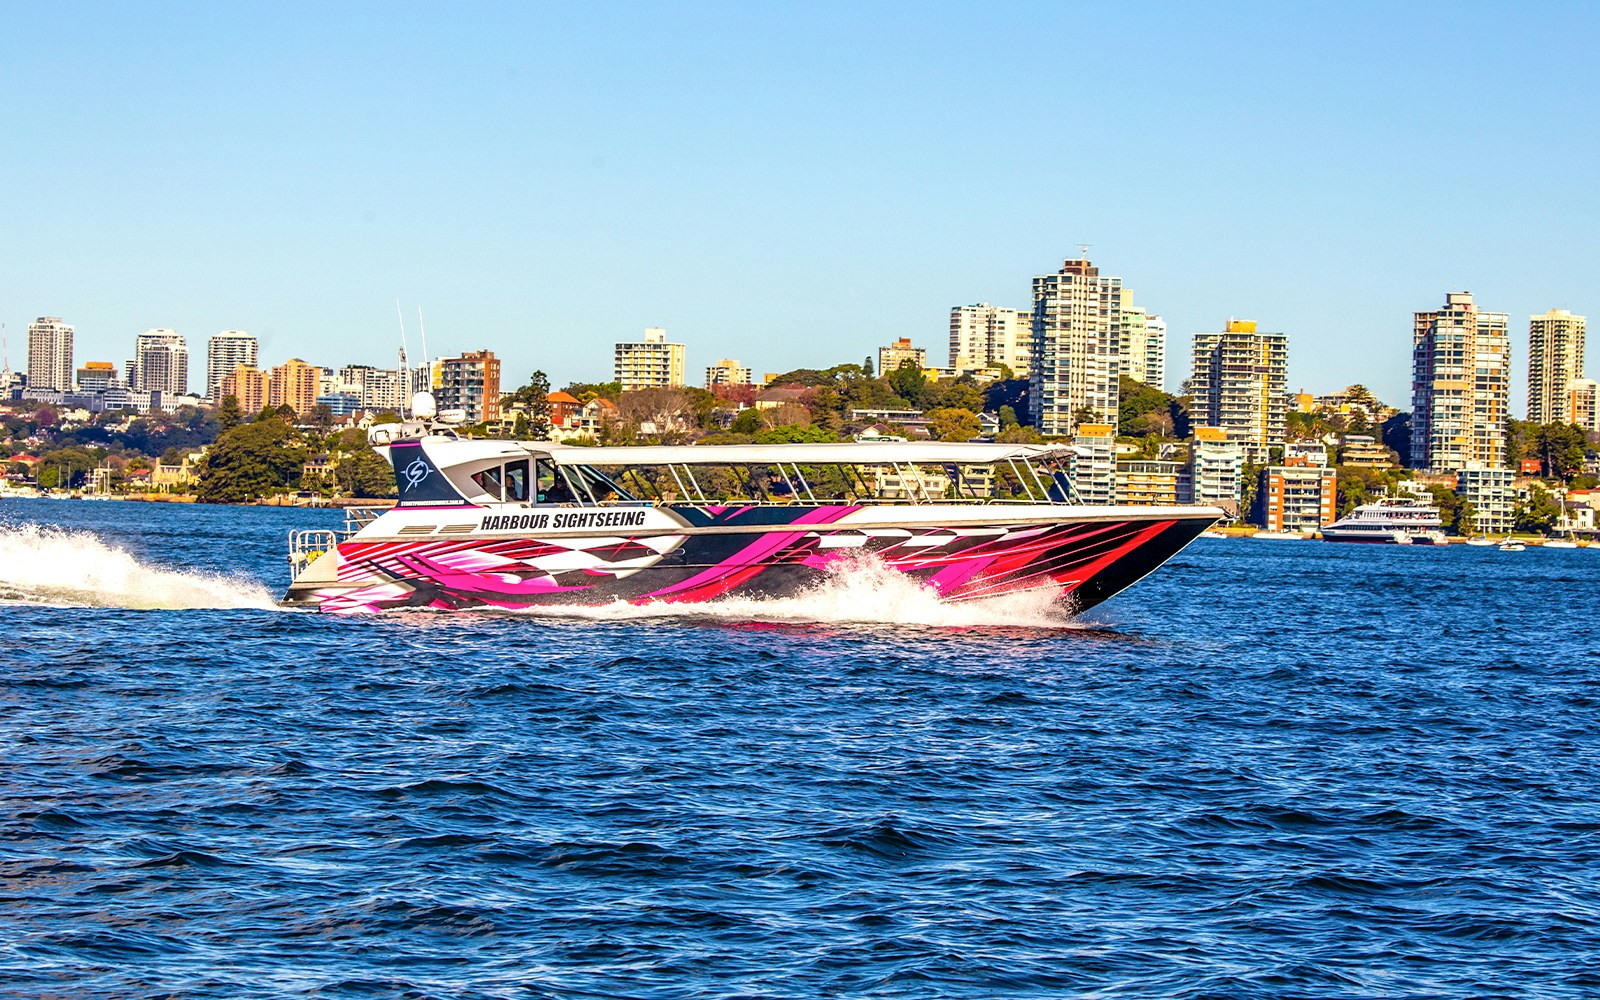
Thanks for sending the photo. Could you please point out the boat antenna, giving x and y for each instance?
(405, 362)
(424, 330)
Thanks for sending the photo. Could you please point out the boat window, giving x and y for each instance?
(489, 481)
(552, 486)
(516, 481)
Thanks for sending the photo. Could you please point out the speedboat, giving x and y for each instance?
(1512, 545)
(502, 524)
(1389, 521)
(1480, 540)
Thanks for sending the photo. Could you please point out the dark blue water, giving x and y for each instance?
(1269, 770)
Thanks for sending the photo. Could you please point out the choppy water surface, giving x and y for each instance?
(1270, 770)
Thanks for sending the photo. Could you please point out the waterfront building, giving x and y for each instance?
(1298, 498)
(50, 354)
(1216, 470)
(1492, 494)
(1460, 386)
(649, 363)
(983, 336)
(471, 382)
(1580, 405)
(96, 377)
(1555, 358)
(1364, 451)
(1148, 483)
(727, 371)
(1141, 344)
(225, 352)
(1093, 464)
(892, 357)
(160, 363)
(1240, 384)
(1077, 317)
(294, 384)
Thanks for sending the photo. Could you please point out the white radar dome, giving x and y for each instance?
(423, 406)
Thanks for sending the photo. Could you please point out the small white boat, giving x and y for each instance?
(1558, 543)
(1481, 541)
(1512, 545)
(1213, 534)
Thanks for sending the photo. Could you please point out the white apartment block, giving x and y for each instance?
(1460, 386)
(984, 336)
(1076, 317)
(1581, 404)
(1492, 495)
(225, 352)
(1555, 358)
(1093, 465)
(1141, 344)
(649, 363)
(1216, 470)
(727, 371)
(50, 354)
(1240, 384)
(160, 363)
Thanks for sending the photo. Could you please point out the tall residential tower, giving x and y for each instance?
(160, 363)
(1555, 358)
(649, 363)
(983, 336)
(1077, 316)
(225, 352)
(50, 354)
(1241, 384)
(1460, 386)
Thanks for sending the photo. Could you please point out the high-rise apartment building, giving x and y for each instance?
(1216, 470)
(1555, 358)
(985, 336)
(1077, 316)
(1580, 404)
(649, 363)
(471, 383)
(160, 363)
(1460, 386)
(294, 384)
(898, 353)
(1141, 344)
(247, 384)
(225, 352)
(1241, 384)
(50, 354)
(727, 371)
(376, 388)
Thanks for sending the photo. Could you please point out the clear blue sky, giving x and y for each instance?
(789, 185)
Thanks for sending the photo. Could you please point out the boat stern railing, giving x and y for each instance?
(306, 544)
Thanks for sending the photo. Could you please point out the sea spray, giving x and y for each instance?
(45, 565)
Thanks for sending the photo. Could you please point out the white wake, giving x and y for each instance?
(45, 565)
(860, 590)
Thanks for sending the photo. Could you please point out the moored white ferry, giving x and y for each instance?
(515, 524)
(1391, 521)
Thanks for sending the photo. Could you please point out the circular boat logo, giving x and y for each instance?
(415, 473)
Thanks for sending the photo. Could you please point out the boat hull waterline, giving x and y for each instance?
(693, 553)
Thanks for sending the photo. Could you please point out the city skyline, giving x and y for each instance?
(746, 171)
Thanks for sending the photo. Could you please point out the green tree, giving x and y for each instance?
(1008, 417)
(1143, 409)
(908, 382)
(251, 461)
(794, 434)
(951, 423)
(363, 474)
(866, 366)
(1560, 449)
(229, 415)
(1539, 513)
(534, 397)
(748, 421)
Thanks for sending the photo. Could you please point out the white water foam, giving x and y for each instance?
(857, 590)
(44, 565)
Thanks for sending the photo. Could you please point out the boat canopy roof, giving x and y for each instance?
(826, 453)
